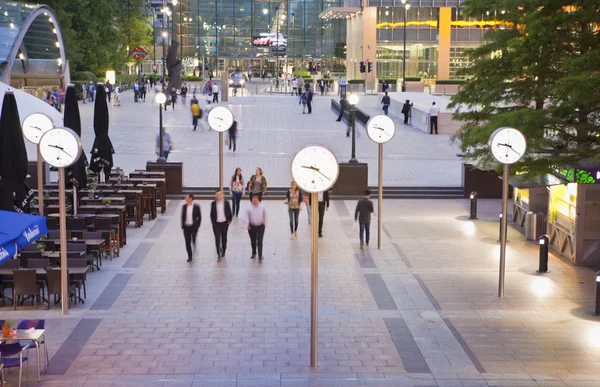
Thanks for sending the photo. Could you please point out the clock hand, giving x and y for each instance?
(35, 127)
(508, 146)
(61, 149)
(310, 167)
(324, 175)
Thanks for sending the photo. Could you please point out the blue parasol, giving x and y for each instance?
(17, 230)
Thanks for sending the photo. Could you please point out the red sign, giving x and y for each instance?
(139, 53)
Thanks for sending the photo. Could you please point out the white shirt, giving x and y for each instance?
(215, 88)
(256, 216)
(294, 83)
(189, 215)
(221, 212)
(434, 110)
(320, 196)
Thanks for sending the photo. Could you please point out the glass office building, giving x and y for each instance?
(257, 35)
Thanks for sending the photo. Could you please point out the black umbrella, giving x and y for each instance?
(76, 175)
(102, 150)
(14, 193)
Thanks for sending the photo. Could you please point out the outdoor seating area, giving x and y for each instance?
(16, 343)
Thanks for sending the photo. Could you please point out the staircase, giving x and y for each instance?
(279, 193)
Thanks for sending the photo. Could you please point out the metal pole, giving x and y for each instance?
(160, 135)
(40, 181)
(314, 280)
(164, 57)
(353, 115)
(63, 242)
(154, 41)
(380, 197)
(404, 56)
(220, 161)
(503, 230)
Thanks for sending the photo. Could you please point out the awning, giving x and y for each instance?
(536, 181)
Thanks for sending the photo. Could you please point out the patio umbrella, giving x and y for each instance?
(14, 193)
(76, 175)
(102, 150)
(19, 230)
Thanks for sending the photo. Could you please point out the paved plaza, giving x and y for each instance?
(271, 129)
(423, 311)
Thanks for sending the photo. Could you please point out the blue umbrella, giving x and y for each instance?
(17, 230)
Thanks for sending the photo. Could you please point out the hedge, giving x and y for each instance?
(450, 82)
(390, 81)
(356, 81)
(412, 79)
(127, 79)
(85, 76)
(304, 73)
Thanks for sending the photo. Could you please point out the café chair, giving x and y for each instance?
(7, 353)
(25, 284)
(53, 282)
(78, 279)
(52, 223)
(35, 324)
(104, 225)
(76, 227)
(94, 250)
(54, 234)
(8, 283)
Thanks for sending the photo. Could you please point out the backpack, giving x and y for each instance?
(304, 98)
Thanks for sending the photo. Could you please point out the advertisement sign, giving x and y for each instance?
(270, 40)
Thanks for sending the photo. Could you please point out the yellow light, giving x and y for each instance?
(57, 44)
(21, 56)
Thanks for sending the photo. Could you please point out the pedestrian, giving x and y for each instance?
(256, 217)
(306, 200)
(406, 110)
(207, 92)
(309, 95)
(196, 113)
(304, 101)
(136, 91)
(91, 90)
(257, 186)
(385, 86)
(323, 206)
(364, 209)
(220, 216)
(117, 96)
(233, 132)
(237, 190)
(294, 86)
(84, 93)
(293, 200)
(343, 107)
(167, 143)
(322, 86)
(434, 110)
(215, 92)
(194, 100)
(385, 101)
(184, 90)
(109, 89)
(191, 217)
(143, 92)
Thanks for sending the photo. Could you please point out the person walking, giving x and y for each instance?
(304, 101)
(109, 89)
(173, 98)
(167, 144)
(220, 216)
(91, 91)
(293, 200)
(215, 92)
(233, 132)
(84, 93)
(385, 86)
(257, 185)
(322, 86)
(364, 209)
(117, 96)
(256, 217)
(309, 99)
(237, 190)
(184, 90)
(306, 200)
(434, 110)
(406, 110)
(143, 92)
(323, 206)
(294, 86)
(385, 101)
(344, 105)
(191, 217)
(196, 112)
(136, 91)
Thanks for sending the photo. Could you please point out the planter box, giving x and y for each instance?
(447, 89)
(173, 174)
(353, 179)
(415, 87)
(487, 184)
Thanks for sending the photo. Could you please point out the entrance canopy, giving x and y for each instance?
(32, 51)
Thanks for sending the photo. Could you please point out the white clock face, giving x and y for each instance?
(60, 147)
(381, 128)
(315, 168)
(35, 125)
(507, 145)
(220, 118)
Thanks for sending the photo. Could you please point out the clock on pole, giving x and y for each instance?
(220, 120)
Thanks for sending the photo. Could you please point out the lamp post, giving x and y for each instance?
(353, 100)
(406, 8)
(164, 10)
(160, 99)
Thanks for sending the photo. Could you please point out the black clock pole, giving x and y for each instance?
(161, 154)
(353, 115)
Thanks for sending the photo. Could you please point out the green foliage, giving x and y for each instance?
(450, 82)
(126, 79)
(356, 81)
(541, 75)
(304, 73)
(85, 76)
(413, 79)
(191, 78)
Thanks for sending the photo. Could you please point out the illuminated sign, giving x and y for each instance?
(270, 40)
(581, 175)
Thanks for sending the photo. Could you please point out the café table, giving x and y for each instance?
(150, 189)
(161, 184)
(111, 211)
(36, 336)
(94, 243)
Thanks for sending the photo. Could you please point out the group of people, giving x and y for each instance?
(88, 92)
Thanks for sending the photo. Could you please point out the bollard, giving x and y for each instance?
(597, 313)
(543, 266)
(473, 210)
(500, 228)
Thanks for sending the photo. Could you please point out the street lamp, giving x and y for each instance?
(353, 100)
(160, 99)
(406, 8)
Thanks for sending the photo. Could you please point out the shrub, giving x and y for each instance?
(85, 76)
(413, 79)
(126, 79)
(191, 78)
(390, 81)
(450, 82)
(356, 81)
(304, 73)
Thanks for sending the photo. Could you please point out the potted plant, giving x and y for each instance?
(6, 328)
(106, 201)
(90, 193)
(41, 246)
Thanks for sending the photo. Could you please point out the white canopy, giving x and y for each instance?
(27, 105)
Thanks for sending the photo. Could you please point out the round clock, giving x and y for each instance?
(35, 125)
(60, 147)
(507, 145)
(381, 128)
(315, 168)
(220, 118)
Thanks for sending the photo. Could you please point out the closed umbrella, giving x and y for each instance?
(14, 193)
(102, 150)
(76, 174)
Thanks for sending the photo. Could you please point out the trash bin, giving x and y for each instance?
(534, 225)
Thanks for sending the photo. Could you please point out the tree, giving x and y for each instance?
(134, 27)
(538, 72)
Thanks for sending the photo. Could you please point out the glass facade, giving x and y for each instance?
(211, 31)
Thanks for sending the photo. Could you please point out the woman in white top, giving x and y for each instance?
(237, 190)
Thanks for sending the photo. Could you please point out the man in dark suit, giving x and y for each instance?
(323, 206)
(190, 223)
(220, 215)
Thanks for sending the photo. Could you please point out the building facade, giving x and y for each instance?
(256, 35)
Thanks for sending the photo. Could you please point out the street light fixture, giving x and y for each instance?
(160, 99)
(406, 8)
(353, 100)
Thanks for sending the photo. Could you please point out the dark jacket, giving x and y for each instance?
(386, 100)
(232, 131)
(406, 107)
(213, 211)
(300, 197)
(263, 184)
(325, 199)
(344, 104)
(196, 215)
(363, 211)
